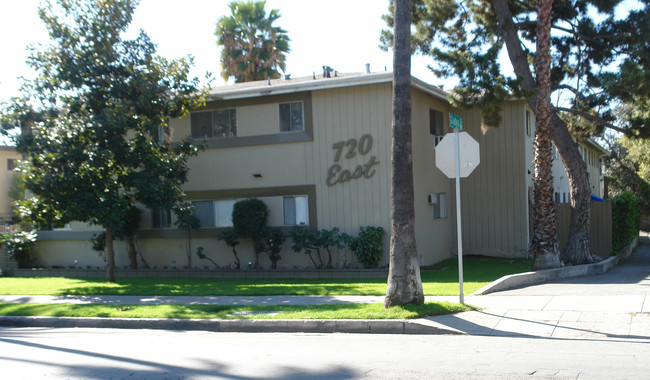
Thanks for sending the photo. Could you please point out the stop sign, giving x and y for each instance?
(470, 155)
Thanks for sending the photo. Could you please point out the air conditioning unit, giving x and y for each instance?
(433, 198)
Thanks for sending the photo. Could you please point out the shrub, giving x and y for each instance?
(304, 240)
(18, 245)
(368, 247)
(626, 218)
(249, 221)
(272, 245)
(229, 236)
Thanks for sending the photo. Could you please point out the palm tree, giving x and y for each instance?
(404, 282)
(253, 49)
(544, 244)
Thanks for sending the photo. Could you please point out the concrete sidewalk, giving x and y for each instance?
(557, 316)
(611, 305)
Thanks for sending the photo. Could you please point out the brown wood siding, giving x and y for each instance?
(600, 233)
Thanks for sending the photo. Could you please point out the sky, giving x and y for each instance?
(342, 34)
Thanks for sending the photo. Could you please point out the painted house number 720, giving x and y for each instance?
(336, 174)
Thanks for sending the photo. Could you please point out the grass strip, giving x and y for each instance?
(336, 311)
(478, 272)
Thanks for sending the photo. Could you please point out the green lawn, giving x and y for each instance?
(478, 272)
(344, 311)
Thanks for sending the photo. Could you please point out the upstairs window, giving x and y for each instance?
(528, 128)
(214, 124)
(292, 117)
(436, 127)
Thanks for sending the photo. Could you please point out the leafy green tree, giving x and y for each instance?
(252, 48)
(597, 60)
(404, 282)
(90, 120)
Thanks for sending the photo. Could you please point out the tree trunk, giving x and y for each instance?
(404, 282)
(577, 250)
(133, 253)
(544, 244)
(110, 256)
(577, 247)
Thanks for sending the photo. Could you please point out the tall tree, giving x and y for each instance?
(404, 282)
(252, 48)
(94, 111)
(597, 59)
(544, 243)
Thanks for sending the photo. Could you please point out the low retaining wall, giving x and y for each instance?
(521, 280)
(172, 273)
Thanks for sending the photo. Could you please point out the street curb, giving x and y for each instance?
(521, 280)
(324, 326)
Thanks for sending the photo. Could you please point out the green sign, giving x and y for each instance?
(455, 122)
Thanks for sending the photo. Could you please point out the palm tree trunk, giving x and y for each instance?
(544, 244)
(404, 282)
(110, 256)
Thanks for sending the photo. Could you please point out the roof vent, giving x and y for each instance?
(327, 72)
(287, 76)
(367, 68)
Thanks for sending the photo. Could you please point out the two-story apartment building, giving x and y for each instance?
(317, 151)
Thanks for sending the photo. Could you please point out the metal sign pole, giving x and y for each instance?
(458, 221)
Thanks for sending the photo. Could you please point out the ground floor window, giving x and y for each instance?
(295, 210)
(161, 219)
(439, 202)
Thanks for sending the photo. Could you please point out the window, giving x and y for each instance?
(557, 197)
(223, 212)
(291, 117)
(296, 210)
(12, 163)
(528, 129)
(204, 212)
(214, 124)
(439, 202)
(161, 219)
(436, 126)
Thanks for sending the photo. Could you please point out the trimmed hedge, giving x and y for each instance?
(626, 219)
